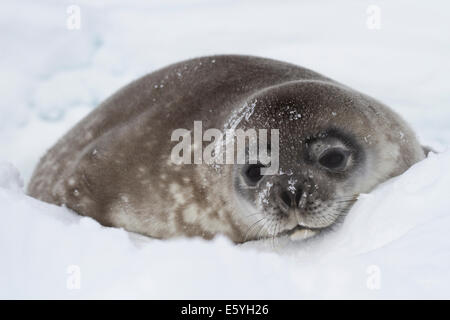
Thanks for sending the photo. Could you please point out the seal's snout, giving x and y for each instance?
(290, 197)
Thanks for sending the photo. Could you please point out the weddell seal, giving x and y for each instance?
(116, 165)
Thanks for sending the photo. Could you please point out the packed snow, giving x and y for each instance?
(393, 244)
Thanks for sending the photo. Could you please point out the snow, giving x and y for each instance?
(391, 232)
(394, 242)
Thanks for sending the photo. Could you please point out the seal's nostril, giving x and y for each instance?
(286, 196)
(290, 199)
(298, 196)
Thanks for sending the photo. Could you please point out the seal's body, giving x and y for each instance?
(334, 143)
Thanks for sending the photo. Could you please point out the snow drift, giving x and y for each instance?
(390, 246)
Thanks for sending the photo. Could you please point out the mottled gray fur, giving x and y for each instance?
(115, 166)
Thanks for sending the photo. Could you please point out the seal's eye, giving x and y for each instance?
(252, 173)
(334, 159)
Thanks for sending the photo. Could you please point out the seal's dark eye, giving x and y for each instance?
(334, 159)
(252, 173)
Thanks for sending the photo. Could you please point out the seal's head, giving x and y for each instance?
(332, 147)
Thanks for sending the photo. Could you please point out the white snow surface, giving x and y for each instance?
(395, 242)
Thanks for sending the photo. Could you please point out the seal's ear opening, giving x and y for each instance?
(427, 150)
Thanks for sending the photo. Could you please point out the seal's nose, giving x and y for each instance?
(291, 198)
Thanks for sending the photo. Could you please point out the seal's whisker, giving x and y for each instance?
(252, 226)
(263, 227)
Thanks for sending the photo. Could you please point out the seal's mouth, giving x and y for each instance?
(300, 232)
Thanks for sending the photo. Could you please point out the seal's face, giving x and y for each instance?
(321, 169)
(315, 187)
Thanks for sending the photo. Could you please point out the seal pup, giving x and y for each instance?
(334, 143)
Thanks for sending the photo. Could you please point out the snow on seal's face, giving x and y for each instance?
(331, 149)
